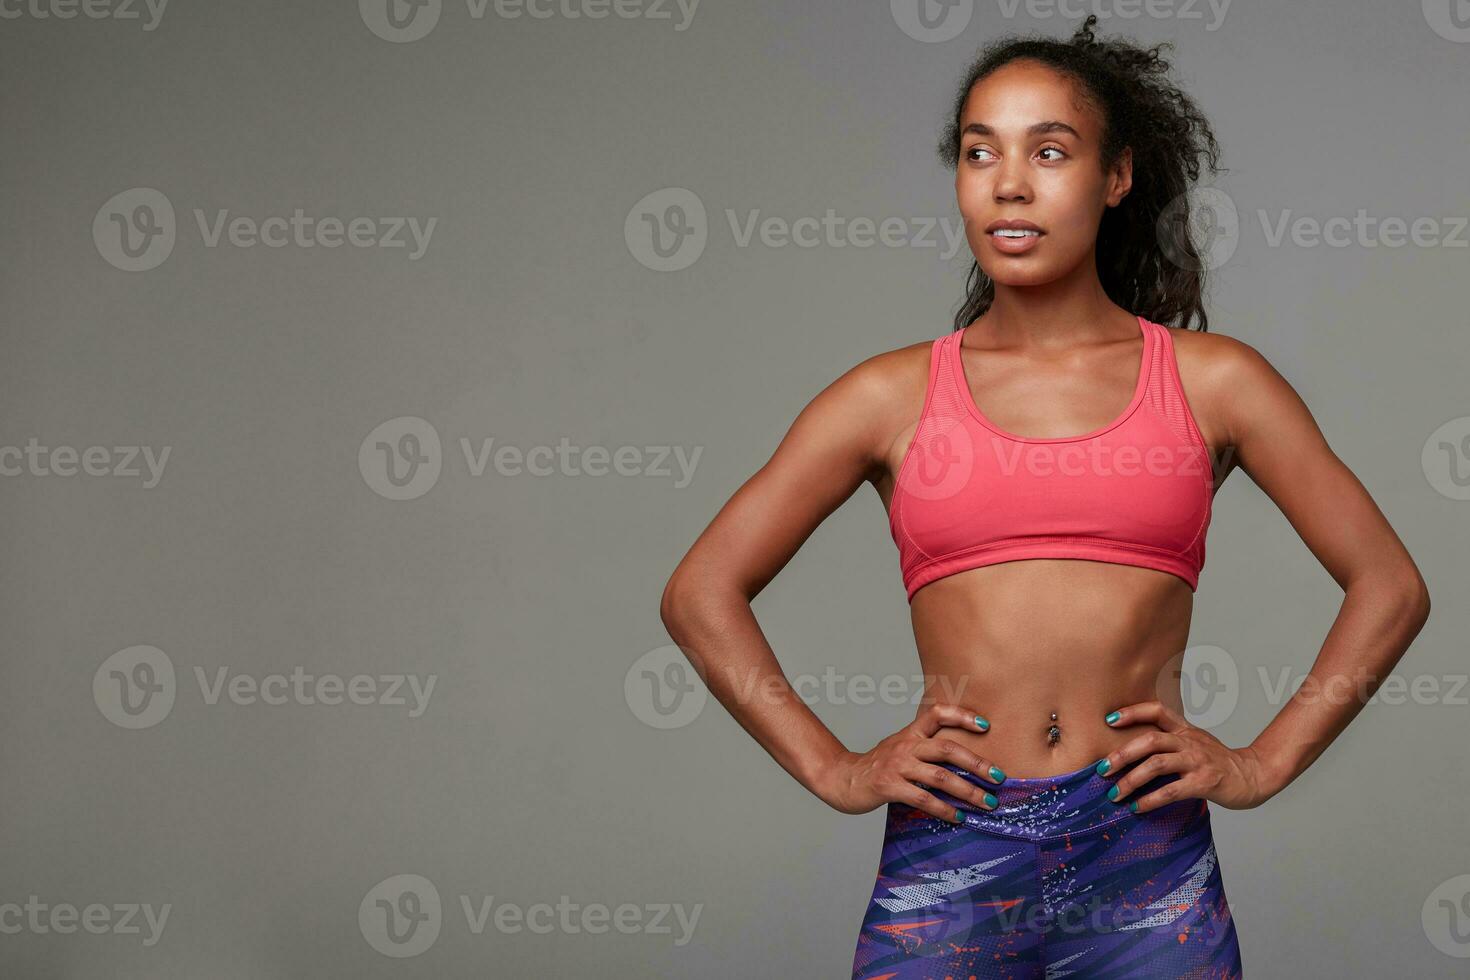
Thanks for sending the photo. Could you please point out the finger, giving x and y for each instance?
(1150, 768)
(1139, 747)
(1155, 712)
(937, 714)
(906, 792)
(943, 750)
(937, 777)
(1180, 789)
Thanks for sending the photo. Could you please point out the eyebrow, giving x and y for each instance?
(1035, 129)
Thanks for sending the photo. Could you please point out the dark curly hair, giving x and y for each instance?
(1140, 108)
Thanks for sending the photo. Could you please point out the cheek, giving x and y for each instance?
(1081, 206)
(971, 192)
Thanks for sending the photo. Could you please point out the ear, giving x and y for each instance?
(1120, 179)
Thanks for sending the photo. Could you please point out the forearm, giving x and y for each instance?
(718, 632)
(1380, 616)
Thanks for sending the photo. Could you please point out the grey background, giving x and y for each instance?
(528, 320)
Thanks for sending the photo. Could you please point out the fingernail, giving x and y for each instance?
(1103, 766)
(990, 799)
(982, 724)
(1133, 805)
(1113, 792)
(996, 774)
(959, 816)
(1112, 717)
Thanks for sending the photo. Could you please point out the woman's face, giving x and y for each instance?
(1031, 154)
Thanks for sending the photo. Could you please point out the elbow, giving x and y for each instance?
(678, 602)
(695, 601)
(1419, 599)
(1413, 597)
(671, 602)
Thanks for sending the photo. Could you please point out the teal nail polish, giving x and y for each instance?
(1114, 716)
(1103, 766)
(1133, 805)
(1113, 792)
(959, 816)
(990, 799)
(996, 774)
(982, 724)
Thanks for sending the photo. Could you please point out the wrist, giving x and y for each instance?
(1270, 776)
(826, 780)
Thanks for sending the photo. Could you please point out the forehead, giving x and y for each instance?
(1021, 93)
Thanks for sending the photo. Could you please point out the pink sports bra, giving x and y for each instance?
(1135, 492)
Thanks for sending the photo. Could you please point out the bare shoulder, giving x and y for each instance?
(890, 379)
(1214, 361)
(874, 402)
(1230, 384)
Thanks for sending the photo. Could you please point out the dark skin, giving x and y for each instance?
(1005, 646)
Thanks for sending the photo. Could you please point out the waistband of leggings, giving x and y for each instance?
(1041, 807)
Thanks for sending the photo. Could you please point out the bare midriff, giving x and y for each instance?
(1020, 641)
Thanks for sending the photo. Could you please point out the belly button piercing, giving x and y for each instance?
(1053, 734)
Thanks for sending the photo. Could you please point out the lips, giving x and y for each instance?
(1013, 227)
(1013, 236)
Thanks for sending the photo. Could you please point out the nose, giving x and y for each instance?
(1011, 181)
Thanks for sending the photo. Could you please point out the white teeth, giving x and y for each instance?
(1015, 233)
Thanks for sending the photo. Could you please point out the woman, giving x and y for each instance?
(1049, 486)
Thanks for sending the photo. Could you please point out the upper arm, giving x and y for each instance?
(1278, 443)
(837, 442)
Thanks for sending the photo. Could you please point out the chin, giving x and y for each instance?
(1039, 275)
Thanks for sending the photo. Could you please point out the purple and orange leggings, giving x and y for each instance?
(1057, 881)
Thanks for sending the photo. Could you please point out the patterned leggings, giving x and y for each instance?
(1057, 881)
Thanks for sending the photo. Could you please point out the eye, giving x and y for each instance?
(970, 153)
(1053, 149)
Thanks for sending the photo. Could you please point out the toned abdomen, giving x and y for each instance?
(1017, 641)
